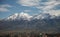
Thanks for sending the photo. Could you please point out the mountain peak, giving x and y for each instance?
(13, 16)
(24, 15)
(21, 15)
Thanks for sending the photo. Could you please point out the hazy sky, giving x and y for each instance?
(32, 7)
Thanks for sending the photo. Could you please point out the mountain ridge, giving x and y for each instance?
(47, 24)
(25, 16)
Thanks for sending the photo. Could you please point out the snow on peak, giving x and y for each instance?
(21, 15)
(43, 16)
(14, 16)
(25, 16)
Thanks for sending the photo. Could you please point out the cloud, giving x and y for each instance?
(5, 5)
(3, 8)
(28, 2)
(47, 6)
(27, 10)
(57, 7)
(54, 12)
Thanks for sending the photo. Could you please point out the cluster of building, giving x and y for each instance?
(30, 35)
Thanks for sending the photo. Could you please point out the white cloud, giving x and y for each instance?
(47, 6)
(3, 8)
(5, 5)
(27, 10)
(37, 3)
(54, 12)
(29, 2)
(51, 5)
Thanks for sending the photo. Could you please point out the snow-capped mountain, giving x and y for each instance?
(19, 16)
(25, 16)
(42, 16)
(43, 22)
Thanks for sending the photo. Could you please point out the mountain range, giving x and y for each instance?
(43, 22)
